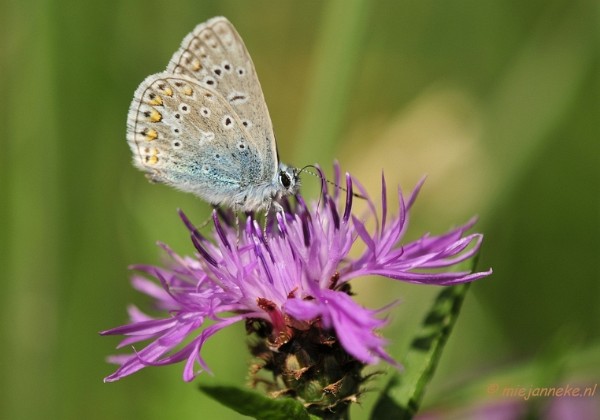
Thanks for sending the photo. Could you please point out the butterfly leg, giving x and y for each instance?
(267, 212)
(237, 228)
(272, 205)
(278, 207)
(208, 219)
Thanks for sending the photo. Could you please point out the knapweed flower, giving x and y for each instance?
(290, 286)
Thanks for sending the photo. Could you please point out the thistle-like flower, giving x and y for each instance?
(291, 288)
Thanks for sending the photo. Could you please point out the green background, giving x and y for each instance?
(496, 101)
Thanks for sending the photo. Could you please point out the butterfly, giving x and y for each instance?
(202, 126)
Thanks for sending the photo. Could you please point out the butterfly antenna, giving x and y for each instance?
(319, 175)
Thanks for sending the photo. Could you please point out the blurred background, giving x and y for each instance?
(497, 102)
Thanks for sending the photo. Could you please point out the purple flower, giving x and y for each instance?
(289, 282)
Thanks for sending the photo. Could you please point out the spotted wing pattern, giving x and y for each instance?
(203, 126)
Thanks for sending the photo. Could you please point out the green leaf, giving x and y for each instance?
(403, 393)
(259, 406)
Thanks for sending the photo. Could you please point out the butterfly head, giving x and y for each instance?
(288, 179)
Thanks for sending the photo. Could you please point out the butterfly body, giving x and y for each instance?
(203, 126)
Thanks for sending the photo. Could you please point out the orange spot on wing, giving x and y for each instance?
(155, 116)
(151, 134)
(157, 101)
(196, 65)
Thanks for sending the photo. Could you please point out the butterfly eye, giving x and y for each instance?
(285, 179)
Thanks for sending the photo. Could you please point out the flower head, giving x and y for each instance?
(290, 286)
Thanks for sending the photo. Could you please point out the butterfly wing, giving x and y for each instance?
(215, 55)
(187, 135)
